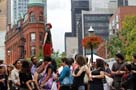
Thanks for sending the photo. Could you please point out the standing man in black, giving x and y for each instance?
(118, 71)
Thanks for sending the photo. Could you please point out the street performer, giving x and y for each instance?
(47, 44)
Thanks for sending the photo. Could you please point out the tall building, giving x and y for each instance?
(3, 12)
(132, 2)
(114, 4)
(123, 3)
(116, 20)
(8, 12)
(19, 9)
(99, 21)
(76, 7)
(25, 38)
(3, 20)
(98, 4)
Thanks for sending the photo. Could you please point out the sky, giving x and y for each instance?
(59, 15)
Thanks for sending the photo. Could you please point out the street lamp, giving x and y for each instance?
(91, 41)
(91, 32)
(8, 58)
(9, 52)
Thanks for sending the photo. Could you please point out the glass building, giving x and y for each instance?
(99, 22)
(19, 8)
(76, 7)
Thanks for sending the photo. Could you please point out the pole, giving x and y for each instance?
(91, 53)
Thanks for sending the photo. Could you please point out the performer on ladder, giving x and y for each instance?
(47, 44)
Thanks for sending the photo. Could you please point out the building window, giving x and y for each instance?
(33, 51)
(33, 37)
(41, 37)
(40, 18)
(32, 17)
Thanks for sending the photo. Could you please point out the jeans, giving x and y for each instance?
(81, 87)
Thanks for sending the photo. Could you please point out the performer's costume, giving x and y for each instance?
(47, 45)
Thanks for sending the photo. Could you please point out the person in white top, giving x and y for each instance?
(15, 75)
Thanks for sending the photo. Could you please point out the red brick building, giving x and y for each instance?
(101, 50)
(117, 18)
(115, 25)
(25, 39)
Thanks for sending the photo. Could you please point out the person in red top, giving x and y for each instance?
(47, 44)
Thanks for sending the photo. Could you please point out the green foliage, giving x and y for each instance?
(40, 56)
(57, 56)
(127, 42)
(114, 45)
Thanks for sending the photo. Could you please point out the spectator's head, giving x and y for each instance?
(34, 60)
(25, 66)
(64, 61)
(17, 64)
(47, 59)
(80, 60)
(119, 57)
(71, 61)
(99, 63)
(10, 67)
(76, 56)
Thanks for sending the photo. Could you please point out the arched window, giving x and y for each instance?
(41, 17)
(32, 17)
(33, 51)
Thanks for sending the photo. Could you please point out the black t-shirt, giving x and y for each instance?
(133, 67)
(78, 81)
(118, 66)
(97, 72)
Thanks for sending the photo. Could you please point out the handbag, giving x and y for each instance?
(109, 80)
(54, 86)
(86, 79)
(68, 80)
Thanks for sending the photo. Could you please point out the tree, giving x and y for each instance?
(126, 38)
(114, 46)
(129, 33)
(57, 56)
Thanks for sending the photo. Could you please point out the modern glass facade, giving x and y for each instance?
(19, 8)
(99, 22)
(123, 3)
(76, 7)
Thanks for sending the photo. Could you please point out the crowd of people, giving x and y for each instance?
(73, 74)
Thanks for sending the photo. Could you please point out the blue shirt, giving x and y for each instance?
(33, 69)
(65, 72)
